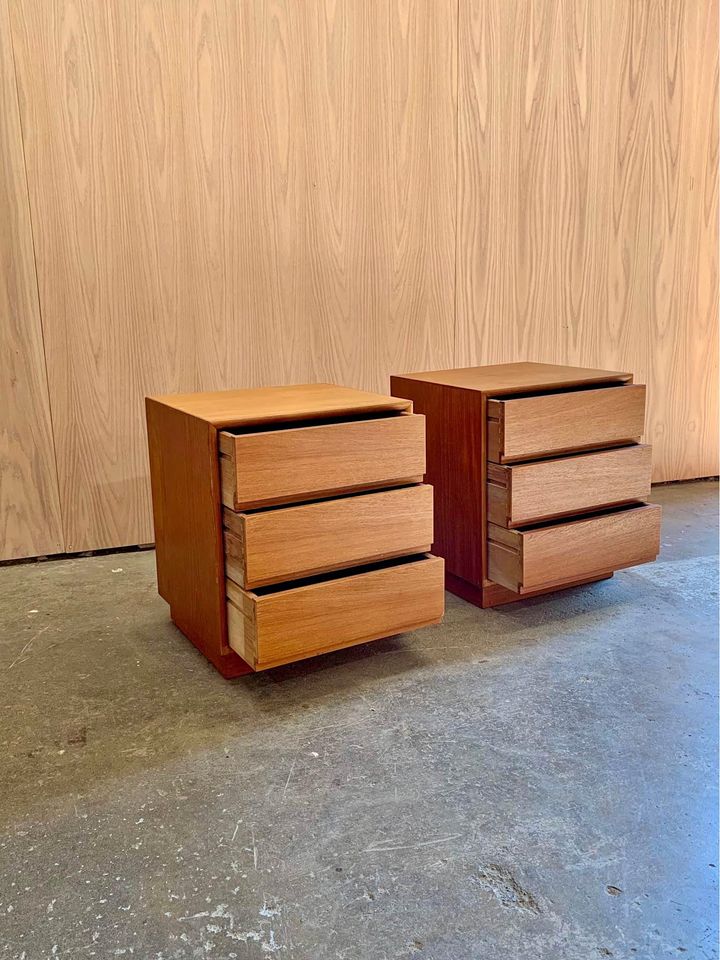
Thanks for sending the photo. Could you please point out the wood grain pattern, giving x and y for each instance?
(457, 405)
(229, 195)
(454, 435)
(270, 546)
(524, 560)
(188, 530)
(29, 504)
(308, 401)
(234, 194)
(278, 627)
(101, 105)
(587, 198)
(195, 569)
(529, 492)
(279, 466)
(528, 427)
(500, 379)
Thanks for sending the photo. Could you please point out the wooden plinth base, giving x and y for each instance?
(230, 664)
(492, 594)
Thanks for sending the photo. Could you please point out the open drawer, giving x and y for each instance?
(554, 553)
(543, 425)
(294, 462)
(526, 493)
(285, 543)
(275, 625)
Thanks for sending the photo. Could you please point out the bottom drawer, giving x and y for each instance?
(555, 553)
(275, 625)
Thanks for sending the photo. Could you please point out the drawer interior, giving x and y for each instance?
(354, 496)
(579, 388)
(303, 424)
(322, 578)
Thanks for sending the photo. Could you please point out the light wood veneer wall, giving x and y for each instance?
(221, 193)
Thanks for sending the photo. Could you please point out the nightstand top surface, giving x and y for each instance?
(259, 405)
(512, 377)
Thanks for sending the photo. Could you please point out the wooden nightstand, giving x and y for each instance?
(540, 479)
(290, 521)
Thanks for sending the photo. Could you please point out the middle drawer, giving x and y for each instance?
(286, 543)
(530, 492)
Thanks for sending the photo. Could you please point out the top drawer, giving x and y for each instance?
(302, 463)
(524, 428)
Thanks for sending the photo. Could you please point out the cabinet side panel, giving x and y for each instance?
(188, 530)
(454, 452)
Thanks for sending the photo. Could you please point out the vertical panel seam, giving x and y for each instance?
(455, 360)
(61, 518)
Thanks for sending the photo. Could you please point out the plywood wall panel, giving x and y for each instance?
(29, 504)
(334, 220)
(508, 242)
(230, 194)
(588, 201)
(105, 161)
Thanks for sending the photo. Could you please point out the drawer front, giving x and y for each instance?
(302, 463)
(529, 492)
(525, 560)
(269, 629)
(528, 427)
(291, 542)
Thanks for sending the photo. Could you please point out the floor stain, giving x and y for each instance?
(499, 881)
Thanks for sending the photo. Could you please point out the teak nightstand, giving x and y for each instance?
(540, 480)
(290, 521)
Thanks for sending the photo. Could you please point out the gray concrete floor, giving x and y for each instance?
(537, 781)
